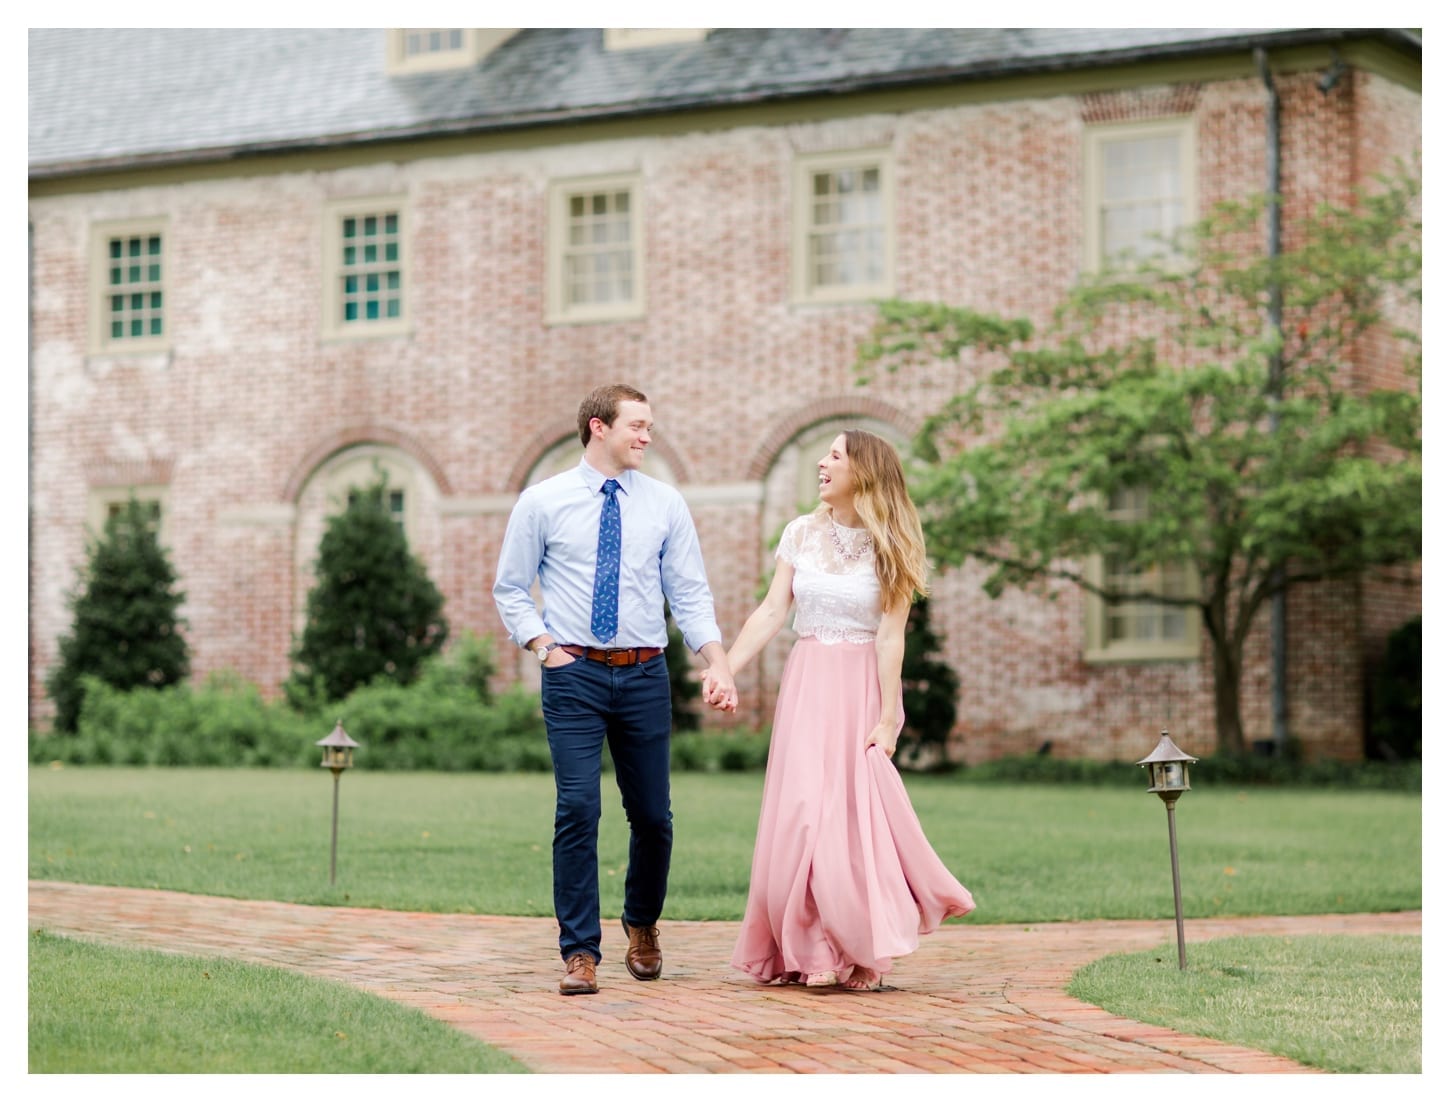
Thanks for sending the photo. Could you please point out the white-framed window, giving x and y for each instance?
(595, 258)
(843, 227)
(349, 473)
(638, 38)
(427, 49)
(105, 502)
(1143, 630)
(365, 269)
(128, 287)
(1142, 187)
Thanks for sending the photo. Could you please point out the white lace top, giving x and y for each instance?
(837, 597)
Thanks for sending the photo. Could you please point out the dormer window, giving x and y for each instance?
(427, 49)
(637, 38)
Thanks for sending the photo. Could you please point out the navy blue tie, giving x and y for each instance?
(605, 621)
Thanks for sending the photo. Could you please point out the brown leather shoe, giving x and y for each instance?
(579, 976)
(642, 958)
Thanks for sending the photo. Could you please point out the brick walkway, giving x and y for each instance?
(973, 998)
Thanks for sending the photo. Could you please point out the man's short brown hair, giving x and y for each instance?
(603, 402)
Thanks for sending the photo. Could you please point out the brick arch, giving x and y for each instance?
(1129, 104)
(803, 417)
(356, 435)
(549, 436)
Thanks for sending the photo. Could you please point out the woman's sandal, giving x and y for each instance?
(821, 979)
(861, 979)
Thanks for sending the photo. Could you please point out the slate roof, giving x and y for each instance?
(114, 98)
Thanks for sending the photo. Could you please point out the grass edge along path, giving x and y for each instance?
(971, 999)
(101, 1009)
(479, 843)
(1342, 1003)
(108, 1009)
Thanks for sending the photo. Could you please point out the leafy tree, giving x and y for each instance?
(125, 630)
(373, 611)
(1267, 458)
(928, 688)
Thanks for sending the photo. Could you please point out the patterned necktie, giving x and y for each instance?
(605, 621)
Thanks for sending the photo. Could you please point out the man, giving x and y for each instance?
(609, 546)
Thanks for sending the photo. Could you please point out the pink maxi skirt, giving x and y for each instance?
(842, 874)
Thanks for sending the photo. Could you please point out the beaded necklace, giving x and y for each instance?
(849, 556)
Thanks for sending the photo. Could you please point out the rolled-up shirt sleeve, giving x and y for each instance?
(518, 566)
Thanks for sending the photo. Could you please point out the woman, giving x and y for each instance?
(843, 879)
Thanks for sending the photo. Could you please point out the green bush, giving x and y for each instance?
(222, 722)
(449, 719)
(437, 724)
(373, 612)
(720, 751)
(125, 630)
(1395, 719)
(1220, 770)
(929, 689)
(446, 720)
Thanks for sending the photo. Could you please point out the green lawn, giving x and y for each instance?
(1346, 1004)
(479, 843)
(100, 1009)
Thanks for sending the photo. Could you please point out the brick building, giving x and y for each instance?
(265, 261)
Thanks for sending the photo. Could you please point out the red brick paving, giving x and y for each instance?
(974, 998)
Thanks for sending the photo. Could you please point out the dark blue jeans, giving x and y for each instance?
(586, 703)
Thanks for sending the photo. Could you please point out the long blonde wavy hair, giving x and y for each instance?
(890, 516)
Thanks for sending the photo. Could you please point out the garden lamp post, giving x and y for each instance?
(1168, 774)
(336, 755)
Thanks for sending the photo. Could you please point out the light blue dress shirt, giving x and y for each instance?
(552, 535)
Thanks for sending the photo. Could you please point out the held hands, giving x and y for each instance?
(718, 689)
(884, 736)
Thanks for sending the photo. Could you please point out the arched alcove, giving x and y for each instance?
(413, 496)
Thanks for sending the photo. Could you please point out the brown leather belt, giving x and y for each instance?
(613, 656)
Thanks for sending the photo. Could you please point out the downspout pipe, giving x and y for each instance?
(1278, 621)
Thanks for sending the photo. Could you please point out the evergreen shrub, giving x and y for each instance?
(1395, 716)
(373, 611)
(929, 690)
(125, 631)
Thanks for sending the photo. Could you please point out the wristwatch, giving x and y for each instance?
(543, 651)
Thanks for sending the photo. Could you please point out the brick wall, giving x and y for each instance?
(251, 402)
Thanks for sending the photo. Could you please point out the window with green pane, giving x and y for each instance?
(134, 293)
(371, 269)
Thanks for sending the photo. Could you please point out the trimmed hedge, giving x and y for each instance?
(448, 720)
(720, 751)
(432, 725)
(1218, 770)
(223, 722)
